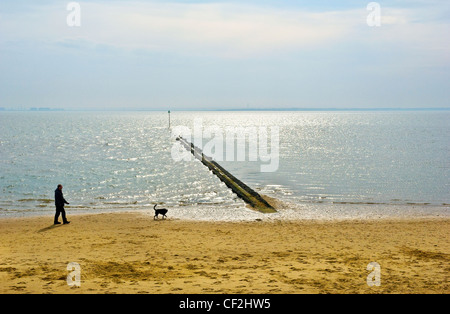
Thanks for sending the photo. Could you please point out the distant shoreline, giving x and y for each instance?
(2, 109)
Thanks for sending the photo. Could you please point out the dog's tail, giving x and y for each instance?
(154, 207)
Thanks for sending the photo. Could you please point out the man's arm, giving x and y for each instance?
(59, 198)
(64, 200)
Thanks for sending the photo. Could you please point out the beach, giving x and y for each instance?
(296, 147)
(131, 252)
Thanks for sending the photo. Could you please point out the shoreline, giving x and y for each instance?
(132, 253)
(285, 211)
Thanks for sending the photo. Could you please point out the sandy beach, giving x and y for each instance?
(132, 253)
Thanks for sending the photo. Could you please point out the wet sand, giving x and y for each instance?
(132, 253)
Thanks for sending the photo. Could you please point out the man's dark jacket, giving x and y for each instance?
(59, 198)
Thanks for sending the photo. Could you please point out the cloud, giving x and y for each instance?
(210, 29)
(224, 53)
(226, 30)
(418, 34)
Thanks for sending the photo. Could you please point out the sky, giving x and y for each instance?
(247, 54)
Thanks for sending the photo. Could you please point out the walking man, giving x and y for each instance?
(59, 203)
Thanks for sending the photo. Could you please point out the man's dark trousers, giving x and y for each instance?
(60, 210)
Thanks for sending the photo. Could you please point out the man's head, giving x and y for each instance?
(60, 186)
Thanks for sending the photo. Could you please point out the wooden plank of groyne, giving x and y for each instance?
(237, 186)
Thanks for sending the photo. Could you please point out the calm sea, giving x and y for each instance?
(346, 162)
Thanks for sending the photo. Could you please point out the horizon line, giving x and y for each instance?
(47, 109)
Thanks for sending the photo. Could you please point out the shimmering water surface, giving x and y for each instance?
(342, 163)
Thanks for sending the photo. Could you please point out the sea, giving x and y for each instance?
(327, 165)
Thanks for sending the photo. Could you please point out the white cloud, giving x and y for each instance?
(213, 29)
(224, 30)
(217, 29)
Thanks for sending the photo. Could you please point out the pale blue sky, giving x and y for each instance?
(224, 54)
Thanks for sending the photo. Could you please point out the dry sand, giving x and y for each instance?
(132, 253)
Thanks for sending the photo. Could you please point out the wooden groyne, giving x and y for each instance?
(240, 188)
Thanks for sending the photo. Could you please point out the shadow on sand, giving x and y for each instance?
(49, 228)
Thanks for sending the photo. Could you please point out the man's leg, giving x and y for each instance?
(56, 215)
(63, 213)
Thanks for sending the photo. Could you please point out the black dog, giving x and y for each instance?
(161, 211)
